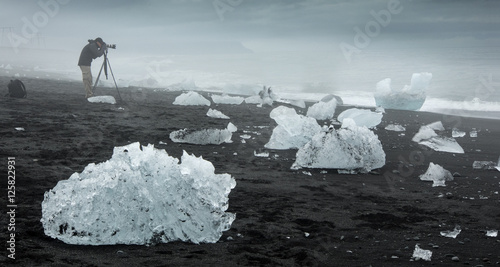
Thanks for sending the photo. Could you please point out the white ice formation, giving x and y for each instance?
(213, 113)
(140, 196)
(293, 130)
(409, 98)
(395, 128)
(421, 254)
(323, 110)
(452, 233)
(349, 148)
(191, 99)
(205, 136)
(362, 117)
(428, 137)
(225, 99)
(492, 233)
(456, 133)
(437, 174)
(107, 99)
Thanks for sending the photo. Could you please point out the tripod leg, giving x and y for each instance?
(116, 86)
(98, 76)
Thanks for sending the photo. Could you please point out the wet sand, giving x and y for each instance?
(284, 217)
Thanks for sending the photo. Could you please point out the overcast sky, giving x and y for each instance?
(258, 25)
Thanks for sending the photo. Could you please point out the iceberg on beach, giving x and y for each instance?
(293, 130)
(205, 136)
(213, 113)
(421, 254)
(437, 174)
(102, 99)
(349, 148)
(409, 98)
(191, 99)
(140, 196)
(395, 128)
(362, 117)
(225, 99)
(428, 137)
(323, 110)
(452, 233)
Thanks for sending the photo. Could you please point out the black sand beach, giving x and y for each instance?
(284, 217)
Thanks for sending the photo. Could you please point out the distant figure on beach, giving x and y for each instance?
(94, 49)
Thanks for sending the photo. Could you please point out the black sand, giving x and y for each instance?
(352, 220)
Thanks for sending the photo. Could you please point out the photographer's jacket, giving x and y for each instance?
(89, 52)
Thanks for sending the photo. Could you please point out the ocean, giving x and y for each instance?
(464, 79)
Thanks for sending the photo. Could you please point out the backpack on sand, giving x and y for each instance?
(16, 89)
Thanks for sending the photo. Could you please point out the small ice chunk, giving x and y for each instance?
(457, 133)
(323, 110)
(102, 99)
(213, 113)
(362, 117)
(421, 254)
(191, 99)
(437, 174)
(428, 137)
(395, 128)
(264, 154)
(473, 133)
(492, 233)
(19, 129)
(225, 99)
(484, 165)
(204, 137)
(453, 234)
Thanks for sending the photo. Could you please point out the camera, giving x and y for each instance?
(112, 46)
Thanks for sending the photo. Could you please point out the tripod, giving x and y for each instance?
(104, 66)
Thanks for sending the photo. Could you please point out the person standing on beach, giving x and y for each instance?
(94, 49)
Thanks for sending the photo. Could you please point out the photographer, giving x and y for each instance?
(94, 49)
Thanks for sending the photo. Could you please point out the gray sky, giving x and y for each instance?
(259, 25)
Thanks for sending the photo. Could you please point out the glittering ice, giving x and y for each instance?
(140, 196)
(452, 233)
(323, 110)
(421, 254)
(191, 99)
(350, 148)
(225, 99)
(205, 136)
(362, 117)
(428, 137)
(213, 113)
(409, 98)
(107, 99)
(395, 128)
(437, 174)
(293, 130)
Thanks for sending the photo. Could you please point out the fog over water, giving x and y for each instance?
(301, 48)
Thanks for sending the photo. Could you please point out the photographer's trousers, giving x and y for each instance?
(87, 80)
